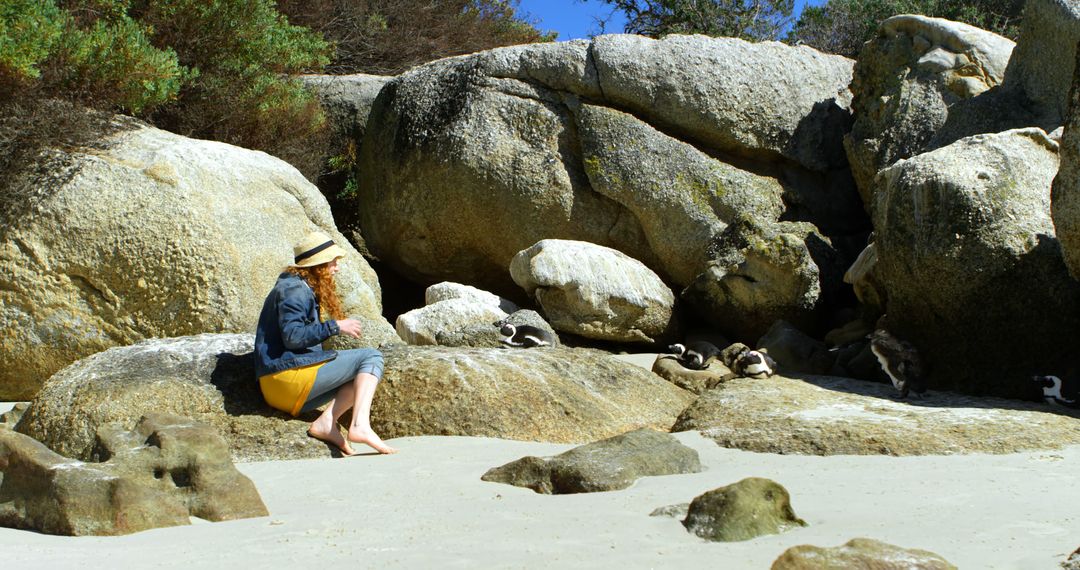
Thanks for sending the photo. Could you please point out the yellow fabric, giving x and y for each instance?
(288, 390)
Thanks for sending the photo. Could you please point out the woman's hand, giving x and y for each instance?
(350, 327)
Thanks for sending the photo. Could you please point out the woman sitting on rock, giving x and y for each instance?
(295, 374)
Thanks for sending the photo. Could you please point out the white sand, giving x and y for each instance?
(427, 507)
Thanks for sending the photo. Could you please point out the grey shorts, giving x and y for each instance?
(341, 371)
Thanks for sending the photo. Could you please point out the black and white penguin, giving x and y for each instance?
(1051, 389)
(526, 336)
(900, 361)
(746, 362)
(695, 355)
(754, 364)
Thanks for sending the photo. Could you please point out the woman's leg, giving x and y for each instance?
(360, 428)
(357, 372)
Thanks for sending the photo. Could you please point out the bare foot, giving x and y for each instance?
(367, 436)
(331, 435)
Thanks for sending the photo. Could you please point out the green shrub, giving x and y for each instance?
(243, 51)
(107, 62)
(114, 62)
(215, 69)
(28, 29)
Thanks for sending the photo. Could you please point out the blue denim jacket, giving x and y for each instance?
(290, 334)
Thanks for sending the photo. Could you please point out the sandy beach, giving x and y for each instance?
(427, 507)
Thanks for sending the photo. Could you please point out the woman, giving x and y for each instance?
(295, 374)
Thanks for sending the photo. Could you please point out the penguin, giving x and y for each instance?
(754, 364)
(1051, 389)
(900, 361)
(746, 362)
(525, 336)
(696, 355)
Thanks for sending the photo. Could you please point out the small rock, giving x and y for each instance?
(860, 553)
(11, 417)
(449, 290)
(750, 508)
(674, 511)
(606, 465)
(1073, 563)
(595, 291)
(667, 367)
(423, 325)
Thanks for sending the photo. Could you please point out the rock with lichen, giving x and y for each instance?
(760, 272)
(744, 510)
(154, 235)
(642, 145)
(959, 231)
(860, 553)
(825, 415)
(566, 395)
(607, 465)
(559, 395)
(907, 78)
(163, 472)
(596, 292)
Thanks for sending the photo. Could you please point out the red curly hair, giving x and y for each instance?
(322, 283)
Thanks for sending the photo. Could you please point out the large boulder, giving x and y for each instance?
(162, 473)
(1035, 89)
(153, 235)
(1043, 61)
(732, 95)
(761, 272)
(424, 325)
(607, 465)
(860, 553)
(347, 99)
(960, 231)
(822, 415)
(596, 292)
(687, 196)
(538, 394)
(469, 160)
(559, 395)
(209, 378)
(906, 79)
(1065, 198)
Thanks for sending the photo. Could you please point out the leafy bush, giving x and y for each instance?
(220, 69)
(114, 62)
(214, 69)
(28, 29)
(107, 61)
(243, 51)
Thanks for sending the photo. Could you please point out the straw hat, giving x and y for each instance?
(316, 249)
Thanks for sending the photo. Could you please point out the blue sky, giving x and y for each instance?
(576, 19)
